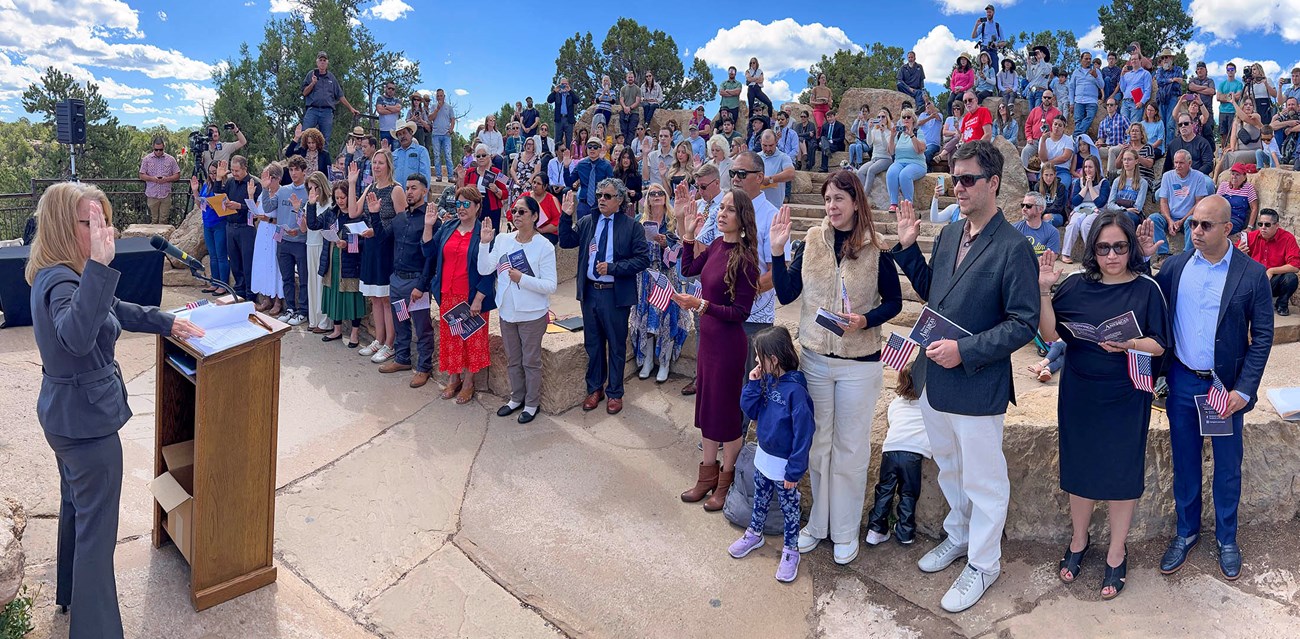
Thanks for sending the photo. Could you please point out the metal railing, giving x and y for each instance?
(126, 195)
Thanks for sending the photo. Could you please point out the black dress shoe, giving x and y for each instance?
(526, 417)
(1176, 553)
(1230, 561)
(1284, 310)
(506, 410)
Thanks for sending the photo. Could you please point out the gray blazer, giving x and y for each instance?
(76, 320)
(994, 295)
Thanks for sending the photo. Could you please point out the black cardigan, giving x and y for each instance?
(350, 266)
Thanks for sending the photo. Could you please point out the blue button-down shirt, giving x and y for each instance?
(601, 221)
(412, 159)
(1196, 312)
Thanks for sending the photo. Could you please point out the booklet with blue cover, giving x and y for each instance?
(931, 327)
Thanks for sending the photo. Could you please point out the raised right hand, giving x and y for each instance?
(1146, 238)
(909, 226)
(223, 169)
(102, 242)
(372, 202)
(1048, 276)
(354, 170)
(487, 233)
(780, 230)
(570, 203)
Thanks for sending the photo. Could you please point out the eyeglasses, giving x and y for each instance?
(656, 194)
(1118, 248)
(740, 174)
(1204, 225)
(463, 204)
(1184, 123)
(968, 180)
(703, 185)
(1026, 207)
(969, 100)
(1264, 225)
(606, 196)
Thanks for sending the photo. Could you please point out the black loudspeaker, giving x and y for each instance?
(70, 121)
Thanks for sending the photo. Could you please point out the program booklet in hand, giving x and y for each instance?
(1212, 424)
(519, 262)
(1116, 329)
(831, 322)
(931, 327)
(462, 322)
(651, 230)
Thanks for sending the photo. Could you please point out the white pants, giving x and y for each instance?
(973, 478)
(1078, 229)
(844, 394)
(315, 315)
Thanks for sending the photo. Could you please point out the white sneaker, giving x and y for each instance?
(967, 590)
(807, 543)
(285, 316)
(384, 354)
(845, 553)
(875, 539)
(370, 349)
(941, 556)
(297, 320)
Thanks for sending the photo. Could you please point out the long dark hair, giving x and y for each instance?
(774, 342)
(631, 167)
(746, 250)
(864, 227)
(1091, 269)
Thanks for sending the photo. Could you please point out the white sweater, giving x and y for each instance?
(531, 297)
(906, 428)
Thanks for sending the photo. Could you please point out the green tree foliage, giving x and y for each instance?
(875, 68)
(1155, 24)
(628, 46)
(108, 150)
(1063, 45)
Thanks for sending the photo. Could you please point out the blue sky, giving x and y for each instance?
(152, 59)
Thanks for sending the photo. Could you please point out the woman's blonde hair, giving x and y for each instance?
(56, 230)
(322, 184)
(388, 157)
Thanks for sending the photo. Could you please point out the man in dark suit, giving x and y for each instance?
(830, 139)
(1223, 329)
(981, 276)
(566, 109)
(612, 253)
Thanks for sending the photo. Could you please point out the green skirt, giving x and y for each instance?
(342, 300)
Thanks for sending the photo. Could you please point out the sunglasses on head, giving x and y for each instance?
(1103, 249)
(740, 174)
(606, 196)
(1204, 225)
(969, 179)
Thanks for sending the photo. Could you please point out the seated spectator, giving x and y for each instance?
(830, 139)
(1088, 195)
(1286, 125)
(1041, 235)
(1055, 194)
(908, 151)
(1246, 135)
(674, 131)
(1052, 363)
(977, 124)
(879, 137)
(1275, 248)
(1191, 105)
(1083, 149)
(579, 148)
(949, 214)
(1128, 192)
(860, 148)
(1188, 137)
(1004, 123)
(548, 221)
(911, 78)
(1112, 134)
(699, 147)
(1057, 150)
(1180, 190)
(719, 158)
(1008, 82)
(1268, 155)
(1037, 124)
(1155, 129)
(807, 132)
(961, 80)
(559, 172)
(1241, 196)
(1137, 143)
(930, 127)
(514, 141)
(986, 78)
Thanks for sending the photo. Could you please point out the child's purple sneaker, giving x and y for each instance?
(746, 544)
(789, 568)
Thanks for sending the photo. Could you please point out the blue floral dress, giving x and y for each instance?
(670, 326)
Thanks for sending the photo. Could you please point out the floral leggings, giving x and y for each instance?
(789, 500)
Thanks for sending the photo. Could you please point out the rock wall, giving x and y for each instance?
(13, 521)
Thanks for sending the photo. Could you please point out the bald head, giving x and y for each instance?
(1210, 225)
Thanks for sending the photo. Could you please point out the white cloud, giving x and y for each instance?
(15, 78)
(778, 90)
(949, 7)
(288, 6)
(461, 92)
(391, 10)
(142, 101)
(159, 120)
(937, 51)
(781, 45)
(1227, 19)
(250, 3)
(114, 90)
(468, 126)
(686, 53)
(196, 99)
(1091, 41)
(5, 108)
(1271, 68)
(162, 15)
(132, 109)
(1195, 52)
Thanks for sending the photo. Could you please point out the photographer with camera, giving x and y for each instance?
(1258, 89)
(566, 111)
(212, 149)
(988, 34)
(321, 91)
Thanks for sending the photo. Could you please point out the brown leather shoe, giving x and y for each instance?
(391, 366)
(593, 400)
(708, 480)
(689, 389)
(719, 497)
(466, 394)
(614, 406)
(419, 379)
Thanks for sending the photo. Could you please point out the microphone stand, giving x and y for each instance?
(217, 283)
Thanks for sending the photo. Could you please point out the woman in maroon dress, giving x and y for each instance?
(728, 270)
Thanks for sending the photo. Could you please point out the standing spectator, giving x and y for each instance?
(961, 80)
(930, 127)
(651, 95)
(1086, 84)
(522, 170)
(1135, 90)
(880, 137)
(389, 108)
(265, 279)
(491, 137)
(453, 255)
(214, 229)
(321, 91)
(587, 174)
(908, 152)
(441, 122)
(614, 256)
(409, 283)
(219, 151)
(658, 160)
(844, 270)
(523, 307)
(409, 158)
(1241, 197)
(1103, 419)
(1229, 93)
(729, 279)
(1275, 249)
(604, 101)
(860, 148)
(158, 170)
(565, 110)
(1202, 87)
(1061, 87)
(489, 182)
(627, 172)
(1004, 123)
(291, 254)
(341, 298)
(1110, 75)
(988, 35)
(820, 98)
(1217, 339)
(309, 144)
(528, 118)
(1170, 83)
(1038, 73)
(1180, 191)
(1008, 82)
(239, 187)
(1128, 193)
(1189, 137)
(629, 99)
(754, 85)
(778, 170)
(830, 140)
(972, 382)
(911, 79)
(419, 114)
(381, 201)
(658, 336)
(986, 77)
(1261, 92)
(730, 91)
(1112, 133)
(1042, 236)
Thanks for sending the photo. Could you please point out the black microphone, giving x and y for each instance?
(161, 244)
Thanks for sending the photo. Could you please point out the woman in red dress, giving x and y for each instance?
(728, 270)
(454, 249)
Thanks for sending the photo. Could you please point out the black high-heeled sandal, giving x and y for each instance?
(1073, 562)
(1115, 578)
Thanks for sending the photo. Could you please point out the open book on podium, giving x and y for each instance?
(228, 325)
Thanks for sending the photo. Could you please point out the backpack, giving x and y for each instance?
(739, 507)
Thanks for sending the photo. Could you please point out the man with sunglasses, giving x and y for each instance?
(1038, 123)
(1223, 330)
(158, 170)
(1112, 133)
(1189, 138)
(1180, 191)
(612, 253)
(1275, 248)
(983, 277)
(589, 172)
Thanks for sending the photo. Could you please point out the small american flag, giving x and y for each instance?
(844, 298)
(671, 254)
(1139, 370)
(591, 250)
(694, 288)
(399, 308)
(503, 264)
(897, 351)
(661, 291)
(1218, 396)
(195, 304)
(279, 234)
(353, 245)
(454, 327)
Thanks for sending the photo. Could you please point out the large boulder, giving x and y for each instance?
(188, 236)
(150, 230)
(13, 521)
(853, 99)
(1014, 181)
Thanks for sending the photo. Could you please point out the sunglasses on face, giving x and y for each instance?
(606, 196)
(1026, 207)
(1204, 225)
(968, 180)
(480, 155)
(593, 145)
(1118, 248)
(463, 204)
(740, 174)
(656, 194)
(1264, 225)
(1184, 124)
(157, 150)
(1111, 104)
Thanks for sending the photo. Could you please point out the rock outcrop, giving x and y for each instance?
(13, 521)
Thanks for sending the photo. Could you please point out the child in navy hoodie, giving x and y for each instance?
(776, 397)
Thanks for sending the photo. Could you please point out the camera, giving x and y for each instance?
(1132, 48)
(198, 142)
(1248, 75)
(229, 126)
(1043, 128)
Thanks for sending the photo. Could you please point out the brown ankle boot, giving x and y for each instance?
(708, 481)
(719, 496)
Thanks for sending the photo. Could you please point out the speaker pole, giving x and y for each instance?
(72, 163)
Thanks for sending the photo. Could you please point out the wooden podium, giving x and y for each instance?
(229, 409)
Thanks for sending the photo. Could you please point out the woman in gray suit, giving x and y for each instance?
(82, 404)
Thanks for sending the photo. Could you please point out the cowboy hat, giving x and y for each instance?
(1165, 53)
(404, 124)
(357, 132)
(1047, 54)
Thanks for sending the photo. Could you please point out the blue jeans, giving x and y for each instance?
(918, 95)
(1185, 443)
(1065, 177)
(399, 288)
(321, 118)
(563, 132)
(1167, 116)
(1056, 356)
(1263, 160)
(1035, 97)
(292, 257)
(1160, 231)
(931, 150)
(627, 121)
(1132, 112)
(1083, 116)
(1055, 220)
(902, 177)
(442, 155)
(648, 115)
(857, 151)
(214, 237)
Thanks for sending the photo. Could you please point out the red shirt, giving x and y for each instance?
(550, 211)
(471, 179)
(1279, 251)
(973, 123)
(455, 265)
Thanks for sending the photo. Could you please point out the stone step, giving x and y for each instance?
(814, 198)
(812, 211)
